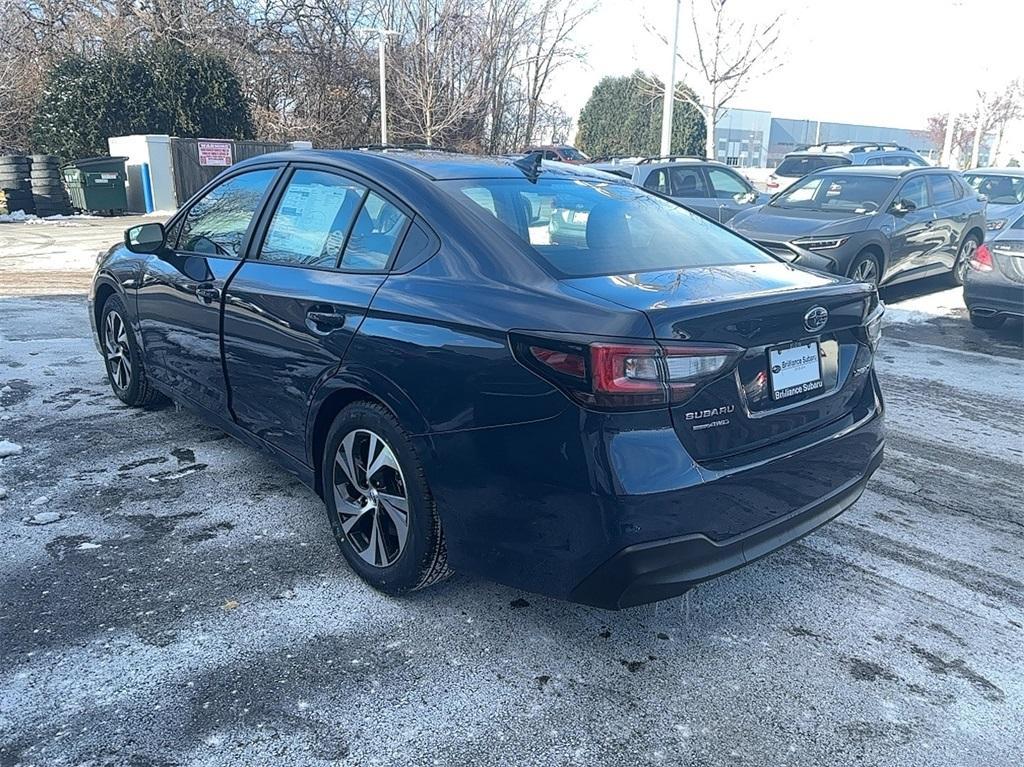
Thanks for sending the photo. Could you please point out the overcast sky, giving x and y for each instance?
(874, 62)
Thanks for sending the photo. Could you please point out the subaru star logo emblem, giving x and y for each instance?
(815, 318)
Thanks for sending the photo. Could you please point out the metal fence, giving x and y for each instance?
(195, 162)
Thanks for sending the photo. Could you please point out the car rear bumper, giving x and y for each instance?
(649, 572)
(991, 294)
(576, 508)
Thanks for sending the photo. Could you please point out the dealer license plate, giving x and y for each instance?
(794, 370)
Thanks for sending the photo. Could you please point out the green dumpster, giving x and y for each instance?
(96, 184)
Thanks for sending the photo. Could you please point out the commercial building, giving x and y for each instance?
(750, 138)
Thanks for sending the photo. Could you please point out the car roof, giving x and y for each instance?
(433, 164)
(884, 171)
(1015, 172)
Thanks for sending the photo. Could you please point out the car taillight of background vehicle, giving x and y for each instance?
(981, 261)
(616, 375)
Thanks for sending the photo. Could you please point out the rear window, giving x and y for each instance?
(583, 227)
(797, 166)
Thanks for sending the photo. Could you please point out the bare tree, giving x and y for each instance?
(548, 46)
(728, 54)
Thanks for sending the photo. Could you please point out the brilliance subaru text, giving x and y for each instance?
(532, 373)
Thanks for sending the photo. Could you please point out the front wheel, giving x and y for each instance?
(963, 259)
(122, 356)
(380, 507)
(865, 268)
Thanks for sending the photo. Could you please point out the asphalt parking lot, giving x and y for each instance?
(188, 605)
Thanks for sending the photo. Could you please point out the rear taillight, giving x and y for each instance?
(981, 261)
(772, 184)
(624, 375)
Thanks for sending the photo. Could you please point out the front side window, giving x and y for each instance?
(583, 227)
(312, 219)
(916, 191)
(687, 182)
(835, 192)
(375, 236)
(726, 184)
(217, 224)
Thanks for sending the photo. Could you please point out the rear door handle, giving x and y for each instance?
(323, 322)
(207, 293)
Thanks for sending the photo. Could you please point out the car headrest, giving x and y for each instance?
(607, 226)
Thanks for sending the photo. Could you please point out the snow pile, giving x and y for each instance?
(17, 217)
(8, 448)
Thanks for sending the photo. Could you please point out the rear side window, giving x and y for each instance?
(797, 166)
(218, 222)
(657, 181)
(583, 227)
(375, 236)
(312, 219)
(943, 189)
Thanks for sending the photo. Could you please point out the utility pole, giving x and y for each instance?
(670, 90)
(381, 51)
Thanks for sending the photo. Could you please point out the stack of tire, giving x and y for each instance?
(48, 186)
(15, 184)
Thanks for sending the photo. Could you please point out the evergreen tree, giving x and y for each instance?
(623, 118)
(161, 90)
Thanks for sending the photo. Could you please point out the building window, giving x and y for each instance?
(732, 160)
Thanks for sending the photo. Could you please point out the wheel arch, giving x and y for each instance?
(879, 252)
(977, 232)
(345, 389)
(106, 287)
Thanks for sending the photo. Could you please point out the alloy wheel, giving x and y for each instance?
(866, 271)
(117, 350)
(370, 496)
(966, 254)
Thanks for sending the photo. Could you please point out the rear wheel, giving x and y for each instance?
(122, 357)
(380, 507)
(987, 321)
(865, 268)
(963, 258)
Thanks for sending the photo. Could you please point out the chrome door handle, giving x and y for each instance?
(207, 293)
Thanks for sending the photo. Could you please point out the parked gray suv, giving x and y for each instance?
(796, 165)
(877, 224)
(706, 186)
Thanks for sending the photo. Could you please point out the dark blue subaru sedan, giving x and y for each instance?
(535, 373)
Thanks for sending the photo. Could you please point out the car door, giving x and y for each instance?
(952, 212)
(731, 192)
(178, 300)
(294, 305)
(912, 237)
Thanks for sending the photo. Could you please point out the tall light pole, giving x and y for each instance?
(670, 90)
(381, 51)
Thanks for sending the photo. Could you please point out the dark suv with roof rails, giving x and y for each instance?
(521, 370)
(833, 154)
(877, 224)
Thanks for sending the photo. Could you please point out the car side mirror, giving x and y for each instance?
(903, 206)
(145, 238)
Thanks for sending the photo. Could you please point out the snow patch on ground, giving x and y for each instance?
(8, 448)
(915, 311)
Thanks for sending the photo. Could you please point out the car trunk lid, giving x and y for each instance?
(775, 391)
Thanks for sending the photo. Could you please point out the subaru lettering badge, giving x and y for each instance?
(815, 318)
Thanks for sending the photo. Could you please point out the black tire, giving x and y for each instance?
(422, 560)
(987, 321)
(137, 390)
(963, 258)
(865, 268)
